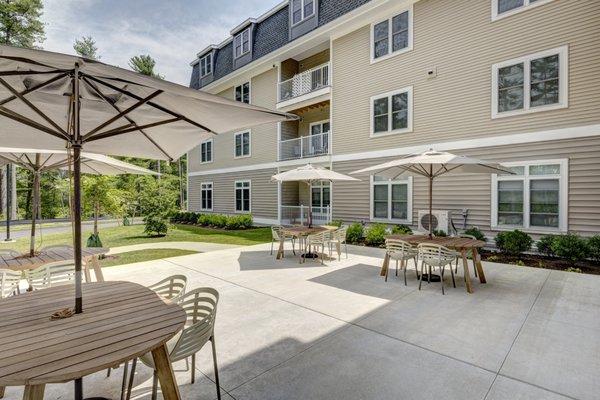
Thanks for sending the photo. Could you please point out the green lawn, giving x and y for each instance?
(134, 234)
(142, 255)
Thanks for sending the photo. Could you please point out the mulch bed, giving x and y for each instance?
(539, 261)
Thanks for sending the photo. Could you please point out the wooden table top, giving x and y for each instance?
(455, 243)
(120, 321)
(305, 230)
(44, 257)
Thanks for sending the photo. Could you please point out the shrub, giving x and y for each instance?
(475, 232)
(593, 247)
(191, 217)
(513, 243)
(238, 222)
(375, 234)
(218, 220)
(572, 269)
(355, 232)
(492, 258)
(439, 232)
(544, 245)
(156, 224)
(401, 230)
(337, 222)
(204, 220)
(570, 246)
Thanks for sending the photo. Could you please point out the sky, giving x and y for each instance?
(171, 31)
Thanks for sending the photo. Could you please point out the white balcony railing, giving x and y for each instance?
(304, 146)
(298, 215)
(305, 82)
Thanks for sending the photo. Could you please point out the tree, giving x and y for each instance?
(86, 47)
(144, 64)
(20, 23)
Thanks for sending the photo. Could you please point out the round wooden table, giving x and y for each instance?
(120, 321)
(298, 232)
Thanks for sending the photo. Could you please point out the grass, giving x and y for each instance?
(142, 255)
(46, 225)
(134, 234)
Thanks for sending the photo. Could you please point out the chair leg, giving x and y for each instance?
(272, 246)
(214, 351)
(346, 247)
(193, 368)
(124, 382)
(396, 267)
(405, 264)
(452, 273)
(387, 270)
(108, 372)
(155, 385)
(456, 266)
(131, 375)
(429, 274)
(293, 246)
(442, 278)
(421, 277)
(322, 253)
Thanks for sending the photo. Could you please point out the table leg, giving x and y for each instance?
(477, 262)
(302, 245)
(280, 249)
(97, 269)
(165, 373)
(34, 392)
(463, 253)
(86, 271)
(385, 266)
(2, 388)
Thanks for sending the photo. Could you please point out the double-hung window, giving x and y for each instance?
(242, 196)
(242, 144)
(241, 43)
(391, 200)
(302, 9)
(242, 92)
(504, 8)
(391, 36)
(391, 112)
(321, 196)
(206, 153)
(206, 65)
(206, 196)
(534, 83)
(534, 198)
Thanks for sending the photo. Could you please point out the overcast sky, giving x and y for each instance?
(172, 31)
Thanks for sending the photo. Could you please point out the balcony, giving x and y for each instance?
(311, 83)
(298, 215)
(304, 147)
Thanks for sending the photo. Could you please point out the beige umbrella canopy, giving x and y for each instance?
(309, 174)
(432, 164)
(39, 161)
(53, 101)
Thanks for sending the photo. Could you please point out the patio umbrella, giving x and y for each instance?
(53, 101)
(432, 164)
(310, 174)
(38, 161)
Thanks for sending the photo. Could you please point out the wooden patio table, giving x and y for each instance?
(120, 321)
(24, 262)
(462, 245)
(299, 232)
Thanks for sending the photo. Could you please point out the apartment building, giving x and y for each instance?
(511, 81)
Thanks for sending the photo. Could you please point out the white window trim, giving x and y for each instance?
(409, 127)
(242, 43)
(527, 5)
(397, 52)
(563, 76)
(409, 205)
(563, 206)
(249, 82)
(318, 123)
(235, 135)
(321, 185)
(212, 151)
(212, 197)
(249, 195)
(303, 17)
(206, 63)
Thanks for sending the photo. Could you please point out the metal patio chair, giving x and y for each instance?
(432, 256)
(315, 240)
(9, 282)
(52, 274)
(276, 238)
(459, 254)
(337, 238)
(401, 251)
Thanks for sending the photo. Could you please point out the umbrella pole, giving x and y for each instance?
(310, 204)
(430, 203)
(36, 205)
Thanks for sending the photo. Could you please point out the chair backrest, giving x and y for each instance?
(200, 306)
(340, 234)
(52, 274)
(319, 237)
(435, 255)
(276, 232)
(466, 236)
(171, 288)
(9, 252)
(9, 282)
(398, 247)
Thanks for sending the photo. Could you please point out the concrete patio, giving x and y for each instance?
(306, 331)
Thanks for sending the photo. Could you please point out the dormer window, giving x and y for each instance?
(241, 43)
(206, 65)
(302, 9)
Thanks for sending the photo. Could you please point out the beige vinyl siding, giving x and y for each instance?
(473, 192)
(289, 130)
(289, 193)
(313, 61)
(263, 146)
(263, 197)
(459, 39)
(314, 115)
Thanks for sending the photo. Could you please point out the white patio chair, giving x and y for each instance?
(52, 274)
(200, 306)
(9, 282)
(315, 240)
(434, 255)
(65, 247)
(9, 252)
(337, 238)
(401, 251)
(276, 238)
(459, 254)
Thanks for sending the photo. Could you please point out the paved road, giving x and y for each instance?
(56, 229)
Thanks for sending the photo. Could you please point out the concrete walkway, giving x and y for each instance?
(305, 331)
(200, 247)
